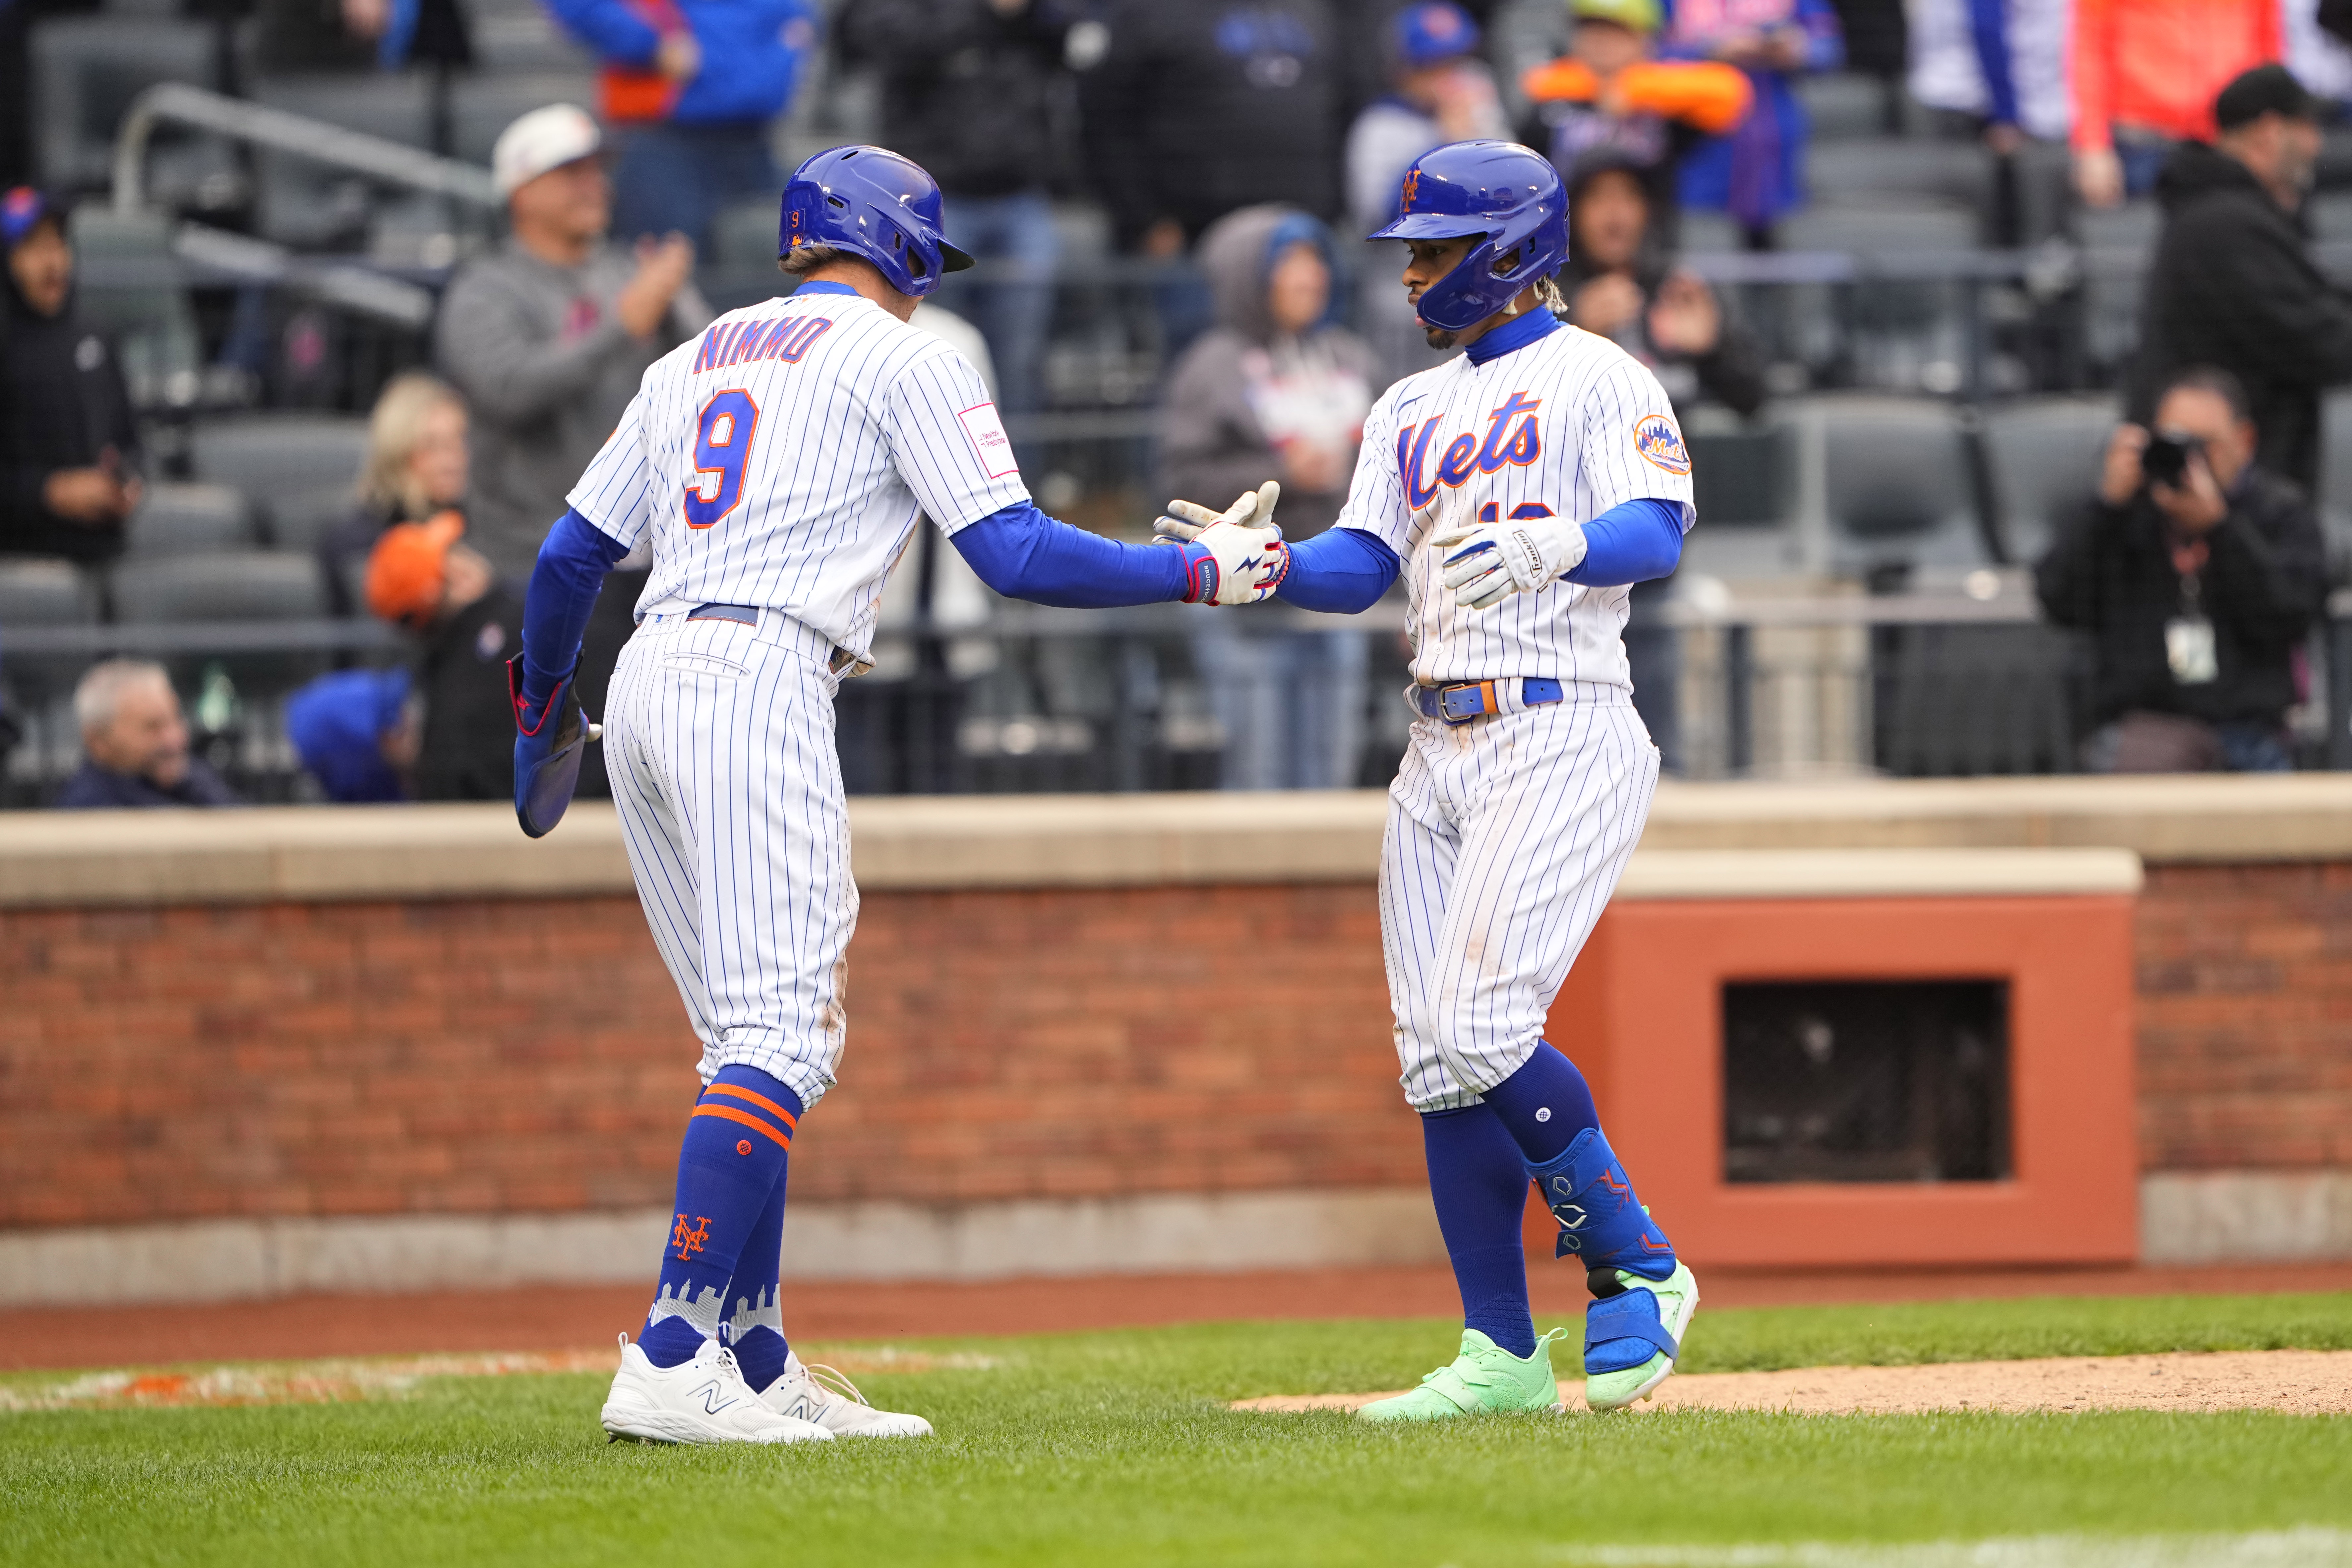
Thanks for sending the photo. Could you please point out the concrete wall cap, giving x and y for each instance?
(314, 853)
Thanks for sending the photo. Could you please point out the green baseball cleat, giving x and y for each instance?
(1484, 1379)
(1632, 1334)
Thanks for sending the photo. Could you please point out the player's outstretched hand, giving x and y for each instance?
(1234, 557)
(1487, 562)
(1185, 519)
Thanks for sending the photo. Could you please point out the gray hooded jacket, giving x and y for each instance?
(1242, 391)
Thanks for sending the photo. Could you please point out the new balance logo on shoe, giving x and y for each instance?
(715, 1397)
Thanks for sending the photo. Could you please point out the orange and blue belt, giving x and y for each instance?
(1477, 699)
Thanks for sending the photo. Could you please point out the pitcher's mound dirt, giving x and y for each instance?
(2299, 1383)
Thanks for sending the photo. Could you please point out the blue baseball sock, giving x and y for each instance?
(1545, 1104)
(732, 1160)
(755, 1319)
(1548, 1109)
(1479, 1184)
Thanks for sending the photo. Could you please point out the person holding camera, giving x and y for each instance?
(2197, 575)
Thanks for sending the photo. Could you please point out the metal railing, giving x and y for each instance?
(1037, 699)
(385, 161)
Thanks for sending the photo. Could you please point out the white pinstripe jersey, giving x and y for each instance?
(781, 459)
(1569, 423)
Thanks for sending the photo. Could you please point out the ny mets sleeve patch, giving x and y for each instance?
(1657, 440)
(995, 449)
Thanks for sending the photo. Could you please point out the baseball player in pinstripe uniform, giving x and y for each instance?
(779, 465)
(1520, 487)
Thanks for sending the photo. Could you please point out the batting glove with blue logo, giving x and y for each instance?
(1234, 557)
(1487, 562)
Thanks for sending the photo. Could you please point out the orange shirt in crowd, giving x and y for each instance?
(2157, 64)
(1708, 94)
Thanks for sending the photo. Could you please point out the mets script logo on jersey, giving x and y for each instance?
(1656, 439)
(1466, 454)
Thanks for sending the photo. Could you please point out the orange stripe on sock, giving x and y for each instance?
(747, 1119)
(761, 1100)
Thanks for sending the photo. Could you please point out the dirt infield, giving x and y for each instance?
(2296, 1382)
(551, 1318)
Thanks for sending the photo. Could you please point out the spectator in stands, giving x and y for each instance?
(968, 93)
(134, 744)
(2000, 69)
(1274, 391)
(69, 441)
(2197, 575)
(2232, 284)
(359, 35)
(1440, 91)
(417, 466)
(1621, 283)
(356, 734)
(691, 86)
(548, 338)
(2145, 77)
(469, 621)
(1756, 172)
(1195, 110)
(1607, 92)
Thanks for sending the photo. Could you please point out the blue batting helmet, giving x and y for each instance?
(875, 204)
(1497, 189)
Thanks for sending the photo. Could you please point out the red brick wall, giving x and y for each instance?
(482, 1056)
(476, 1056)
(2245, 1016)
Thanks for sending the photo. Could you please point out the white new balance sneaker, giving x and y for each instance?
(704, 1400)
(821, 1394)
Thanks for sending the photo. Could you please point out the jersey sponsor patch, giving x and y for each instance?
(1657, 440)
(989, 440)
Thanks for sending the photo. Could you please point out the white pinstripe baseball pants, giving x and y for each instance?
(1506, 837)
(719, 739)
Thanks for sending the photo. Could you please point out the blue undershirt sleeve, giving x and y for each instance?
(1989, 30)
(1632, 541)
(1340, 572)
(1024, 554)
(563, 587)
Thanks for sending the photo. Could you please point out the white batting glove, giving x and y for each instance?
(1234, 557)
(1486, 563)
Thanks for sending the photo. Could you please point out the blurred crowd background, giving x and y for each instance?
(2006, 334)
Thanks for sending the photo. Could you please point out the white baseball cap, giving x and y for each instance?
(542, 140)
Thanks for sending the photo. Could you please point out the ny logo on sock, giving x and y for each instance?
(689, 1241)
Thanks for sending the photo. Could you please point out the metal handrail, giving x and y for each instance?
(374, 156)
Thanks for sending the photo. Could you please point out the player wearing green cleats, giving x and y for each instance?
(1484, 1379)
(1632, 1334)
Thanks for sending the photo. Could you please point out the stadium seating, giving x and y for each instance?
(226, 585)
(299, 518)
(310, 205)
(130, 290)
(482, 106)
(1898, 488)
(85, 72)
(1864, 173)
(36, 593)
(189, 519)
(267, 456)
(2118, 240)
(2042, 455)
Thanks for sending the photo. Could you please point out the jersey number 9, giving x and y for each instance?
(722, 445)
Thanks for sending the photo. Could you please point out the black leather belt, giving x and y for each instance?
(1477, 699)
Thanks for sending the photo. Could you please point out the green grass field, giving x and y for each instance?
(1115, 1447)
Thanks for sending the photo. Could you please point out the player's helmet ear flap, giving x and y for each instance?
(874, 203)
(1500, 191)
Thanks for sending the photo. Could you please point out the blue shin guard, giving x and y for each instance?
(1600, 1220)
